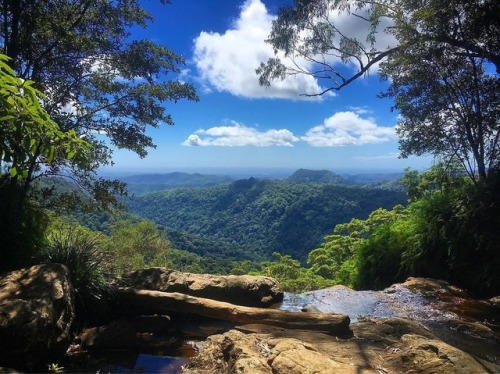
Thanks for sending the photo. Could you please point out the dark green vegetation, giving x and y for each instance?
(262, 216)
(100, 87)
(448, 231)
(443, 75)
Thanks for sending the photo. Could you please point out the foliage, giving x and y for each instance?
(457, 230)
(316, 176)
(135, 246)
(99, 83)
(80, 250)
(446, 232)
(258, 217)
(440, 64)
(291, 275)
(55, 368)
(342, 254)
(448, 103)
(27, 134)
(312, 31)
(379, 256)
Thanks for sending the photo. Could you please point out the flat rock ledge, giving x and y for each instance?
(245, 290)
(378, 346)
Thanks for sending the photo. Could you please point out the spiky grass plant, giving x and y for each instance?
(80, 251)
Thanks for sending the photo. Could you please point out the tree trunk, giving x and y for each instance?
(148, 302)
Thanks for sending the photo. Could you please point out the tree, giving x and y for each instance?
(448, 105)
(313, 32)
(136, 245)
(97, 81)
(27, 136)
(441, 67)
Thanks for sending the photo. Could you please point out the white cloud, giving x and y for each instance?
(227, 61)
(360, 109)
(348, 128)
(238, 135)
(358, 28)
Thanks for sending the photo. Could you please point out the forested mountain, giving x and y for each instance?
(262, 216)
(143, 183)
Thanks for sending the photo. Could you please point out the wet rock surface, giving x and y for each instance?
(246, 290)
(422, 325)
(36, 315)
(378, 347)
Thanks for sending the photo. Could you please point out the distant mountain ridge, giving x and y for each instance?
(144, 183)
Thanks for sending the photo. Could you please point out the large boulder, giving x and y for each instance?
(246, 290)
(36, 315)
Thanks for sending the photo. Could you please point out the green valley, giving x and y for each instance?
(260, 217)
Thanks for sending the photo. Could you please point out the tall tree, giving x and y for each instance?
(448, 105)
(27, 137)
(443, 65)
(97, 80)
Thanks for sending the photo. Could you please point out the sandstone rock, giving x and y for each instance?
(243, 290)
(434, 287)
(36, 315)
(146, 301)
(379, 346)
(431, 356)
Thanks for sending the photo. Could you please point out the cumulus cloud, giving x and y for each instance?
(227, 62)
(348, 128)
(239, 135)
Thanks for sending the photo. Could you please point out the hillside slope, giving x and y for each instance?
(261, 217)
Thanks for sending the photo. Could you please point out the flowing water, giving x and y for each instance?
(468, 324)
(394, 302)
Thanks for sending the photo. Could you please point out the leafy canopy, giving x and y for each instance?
(98, 81)
(28, 133)
(441, 58)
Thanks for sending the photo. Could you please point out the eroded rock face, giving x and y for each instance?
(378, 346)
(36, 315)
(246, 290)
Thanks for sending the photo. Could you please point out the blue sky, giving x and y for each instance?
(240, 125)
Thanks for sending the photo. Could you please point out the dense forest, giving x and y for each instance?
(309, 231)
(262, 216)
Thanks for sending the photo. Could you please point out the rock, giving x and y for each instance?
(146, 301)
(495, 301)
(36, 315)
(243, 290)
(309, 309)
(434, 287)
(430, 356)
(119, 334)
(378, 346)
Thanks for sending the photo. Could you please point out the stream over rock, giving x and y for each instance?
(422, 325)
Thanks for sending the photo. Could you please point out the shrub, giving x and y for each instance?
(79, 250)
